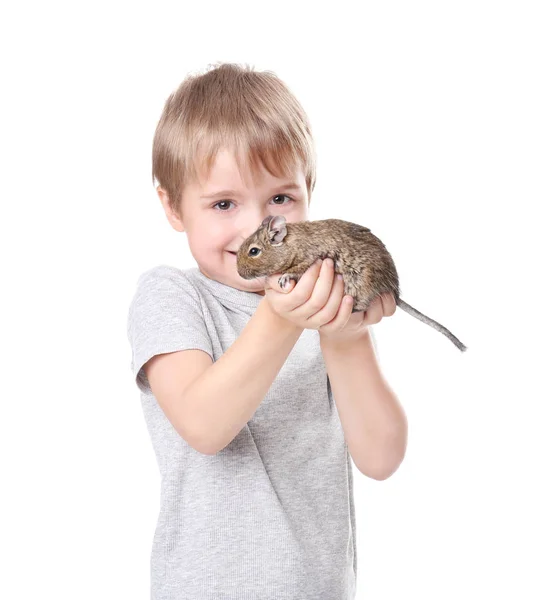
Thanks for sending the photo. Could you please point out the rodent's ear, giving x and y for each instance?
(276, 229)
(266, 221)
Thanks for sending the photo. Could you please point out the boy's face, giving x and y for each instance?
(217, 225)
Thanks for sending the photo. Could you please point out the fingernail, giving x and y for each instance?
(339, 276)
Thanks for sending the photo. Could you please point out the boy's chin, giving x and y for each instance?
(251, 285)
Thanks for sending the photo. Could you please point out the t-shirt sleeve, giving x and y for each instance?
(165, 315)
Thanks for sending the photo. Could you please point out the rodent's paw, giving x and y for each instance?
(284, 280)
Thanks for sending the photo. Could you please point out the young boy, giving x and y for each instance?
(255, 397)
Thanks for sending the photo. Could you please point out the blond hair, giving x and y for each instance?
(252, 113)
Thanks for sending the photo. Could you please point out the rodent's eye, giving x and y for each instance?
(254, 251)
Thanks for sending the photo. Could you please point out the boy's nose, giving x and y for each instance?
(251, 224)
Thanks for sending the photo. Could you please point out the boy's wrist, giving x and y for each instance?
(347, 340)
(280, 323)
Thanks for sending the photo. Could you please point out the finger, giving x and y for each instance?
(331, 306)
(321, 291)
(389, 304)
(323, 287)
(342, 317)
(374, 313)
(305, 285)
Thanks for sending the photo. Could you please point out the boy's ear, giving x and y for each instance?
(174, 219)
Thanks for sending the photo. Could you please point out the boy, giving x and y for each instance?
(255, 397)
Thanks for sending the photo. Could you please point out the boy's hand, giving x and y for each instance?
(317, 301)
(382, 306)
(312, 302)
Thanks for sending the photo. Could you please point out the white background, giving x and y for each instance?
(434, 126)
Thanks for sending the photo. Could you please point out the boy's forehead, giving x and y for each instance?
(227, 173)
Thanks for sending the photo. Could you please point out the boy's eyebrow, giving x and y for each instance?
(285, 186)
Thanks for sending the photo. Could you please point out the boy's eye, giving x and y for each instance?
(221, 202)
(225, 202)
(283, 196)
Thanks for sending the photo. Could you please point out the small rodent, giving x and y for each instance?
(362, 259)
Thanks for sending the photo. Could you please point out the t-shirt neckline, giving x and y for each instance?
(226, 292)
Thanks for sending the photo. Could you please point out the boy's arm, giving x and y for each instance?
(372, 417)
(226, 395)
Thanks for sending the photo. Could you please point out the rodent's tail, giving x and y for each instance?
(412, 311)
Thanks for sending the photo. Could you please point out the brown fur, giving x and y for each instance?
(365, 263)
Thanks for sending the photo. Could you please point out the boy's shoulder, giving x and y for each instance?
(166, 283)
(162, 271)
(167, 273)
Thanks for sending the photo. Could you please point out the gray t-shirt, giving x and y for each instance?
(271, 516)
